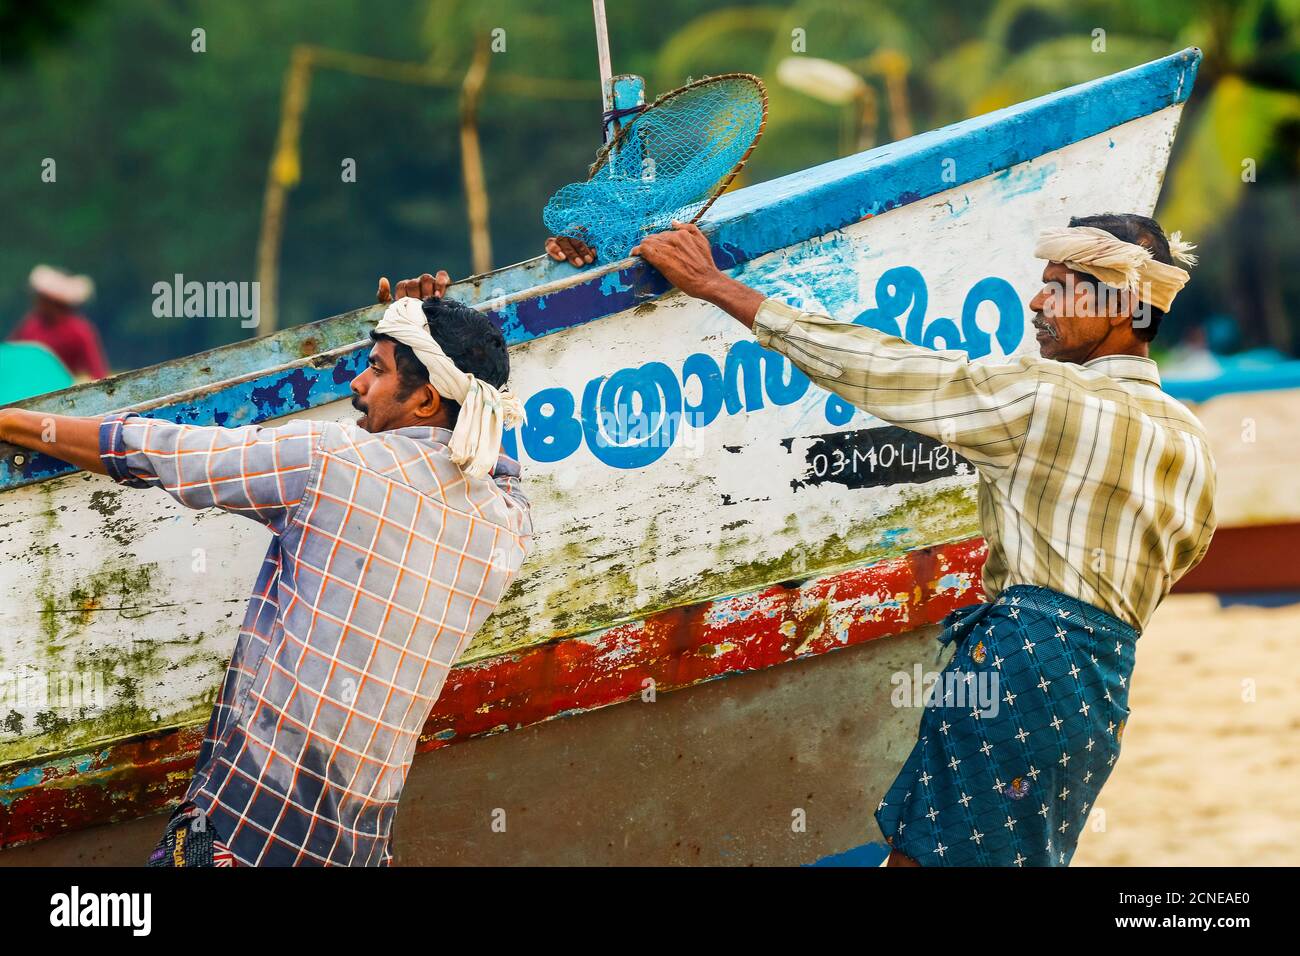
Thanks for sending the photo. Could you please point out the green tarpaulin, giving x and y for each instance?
(28, 369)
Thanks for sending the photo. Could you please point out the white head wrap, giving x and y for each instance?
(1115, 262)
(484, 411)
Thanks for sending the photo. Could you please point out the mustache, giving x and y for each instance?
(1042, 323)
(356, 403)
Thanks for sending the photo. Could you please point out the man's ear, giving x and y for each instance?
(430, 402)
(1124, 303)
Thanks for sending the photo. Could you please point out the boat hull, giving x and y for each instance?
(700, 509)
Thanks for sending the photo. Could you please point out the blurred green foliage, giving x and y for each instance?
(162, 152)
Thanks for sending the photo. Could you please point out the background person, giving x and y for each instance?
(55, 322)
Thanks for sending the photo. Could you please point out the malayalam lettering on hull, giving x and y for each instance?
(629, 418)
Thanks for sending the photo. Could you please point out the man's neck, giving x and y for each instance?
(1129, 346)
(437, 421)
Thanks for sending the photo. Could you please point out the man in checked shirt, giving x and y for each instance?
(392, 540)
(1095, 494)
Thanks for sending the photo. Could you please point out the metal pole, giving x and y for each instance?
(602, 53)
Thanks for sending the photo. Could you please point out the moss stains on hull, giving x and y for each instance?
(588, 603)
(112, 686)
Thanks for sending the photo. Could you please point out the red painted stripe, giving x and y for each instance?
(674, 648)
(691, 644)
(120, 782)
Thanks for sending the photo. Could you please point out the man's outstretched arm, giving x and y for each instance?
(982, 411)
(253, 470)
(66, 437)
(257, 471)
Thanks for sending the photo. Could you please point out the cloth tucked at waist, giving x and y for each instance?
(1032, 597)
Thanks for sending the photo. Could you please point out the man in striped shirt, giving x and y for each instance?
(1095, 494)
(392, 540)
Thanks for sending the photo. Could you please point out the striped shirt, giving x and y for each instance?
(1092, 481)
(384, 561)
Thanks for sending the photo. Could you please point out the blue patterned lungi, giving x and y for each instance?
(1015, 786)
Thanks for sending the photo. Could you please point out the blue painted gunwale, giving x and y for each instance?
(251, 381)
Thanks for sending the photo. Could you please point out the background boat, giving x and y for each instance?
(1249, 408)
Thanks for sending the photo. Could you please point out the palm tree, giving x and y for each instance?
(1247, 96)
(1240, 128)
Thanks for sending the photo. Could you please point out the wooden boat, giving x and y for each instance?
(1249, 416)
(701, 511)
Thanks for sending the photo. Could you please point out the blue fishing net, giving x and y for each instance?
(669, 163)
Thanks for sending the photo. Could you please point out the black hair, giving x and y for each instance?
(469, 338)
(1139, 230)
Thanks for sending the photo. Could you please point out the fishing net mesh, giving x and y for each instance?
(670, 162)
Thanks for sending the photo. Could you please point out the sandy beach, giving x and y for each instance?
(1208, 774)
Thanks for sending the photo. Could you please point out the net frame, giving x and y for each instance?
(625, 131)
